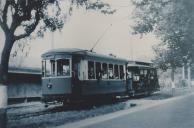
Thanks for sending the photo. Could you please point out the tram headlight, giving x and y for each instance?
(49, 85)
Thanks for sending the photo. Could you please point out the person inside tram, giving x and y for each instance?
(111, 76)
(104, 74)
(91, 73)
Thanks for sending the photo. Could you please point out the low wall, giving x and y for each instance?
(22, 86)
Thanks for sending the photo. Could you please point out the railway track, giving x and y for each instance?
(75, 106)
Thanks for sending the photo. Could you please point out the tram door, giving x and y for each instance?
(76, 88)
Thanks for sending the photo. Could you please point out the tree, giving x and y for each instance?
(172, 21)
(167, 59)
(30, 14)
(20, 18)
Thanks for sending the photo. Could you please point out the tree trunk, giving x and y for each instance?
(189, 75)
(5, 59)
(172, 81)
(3, 78)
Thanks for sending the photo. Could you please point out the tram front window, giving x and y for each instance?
(63, 67)
(48, 68)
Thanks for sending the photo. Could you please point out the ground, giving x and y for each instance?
(34, 114)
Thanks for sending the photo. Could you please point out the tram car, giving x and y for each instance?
(75, 74)
(143, 77)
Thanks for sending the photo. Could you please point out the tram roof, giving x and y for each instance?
(140, 64)
(75, 51)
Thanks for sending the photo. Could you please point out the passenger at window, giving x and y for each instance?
(91, 73)
(104, 75)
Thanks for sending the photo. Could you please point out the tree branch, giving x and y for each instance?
(29, 29)
(5, 11)
(3, 22)
(4, 26)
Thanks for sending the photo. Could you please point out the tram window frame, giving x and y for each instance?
(92, 64)
(122, 74)
(53, 67)
(43, 68)
(104, 71)
(47, 68)
(68, 74)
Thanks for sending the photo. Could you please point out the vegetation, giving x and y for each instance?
(20, 18)
(172, 21)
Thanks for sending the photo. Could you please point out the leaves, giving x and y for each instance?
(29, 13)
(172, 21)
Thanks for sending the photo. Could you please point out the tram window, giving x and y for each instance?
(91, 72)
(110, 71)
(63, 67)
(116, 71)
(121, 72)
(43, 68)
(104, 71)
(136, 78)
(141, 71)
(52, 67)
(98, 70)
(151, 72)
(145, 72)
(48, 68)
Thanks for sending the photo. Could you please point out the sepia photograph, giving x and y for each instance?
(96, 64)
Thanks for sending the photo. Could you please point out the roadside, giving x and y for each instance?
(33, 115)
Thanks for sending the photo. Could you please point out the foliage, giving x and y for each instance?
(20, 18)
(28, 14)
(172, 21)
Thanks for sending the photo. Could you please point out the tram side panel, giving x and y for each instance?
(94, 87)
(97, 85)
(56, 86)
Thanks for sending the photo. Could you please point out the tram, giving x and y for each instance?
(143, 77)
(74, 74)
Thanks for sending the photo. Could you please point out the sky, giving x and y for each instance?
(84, 28)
